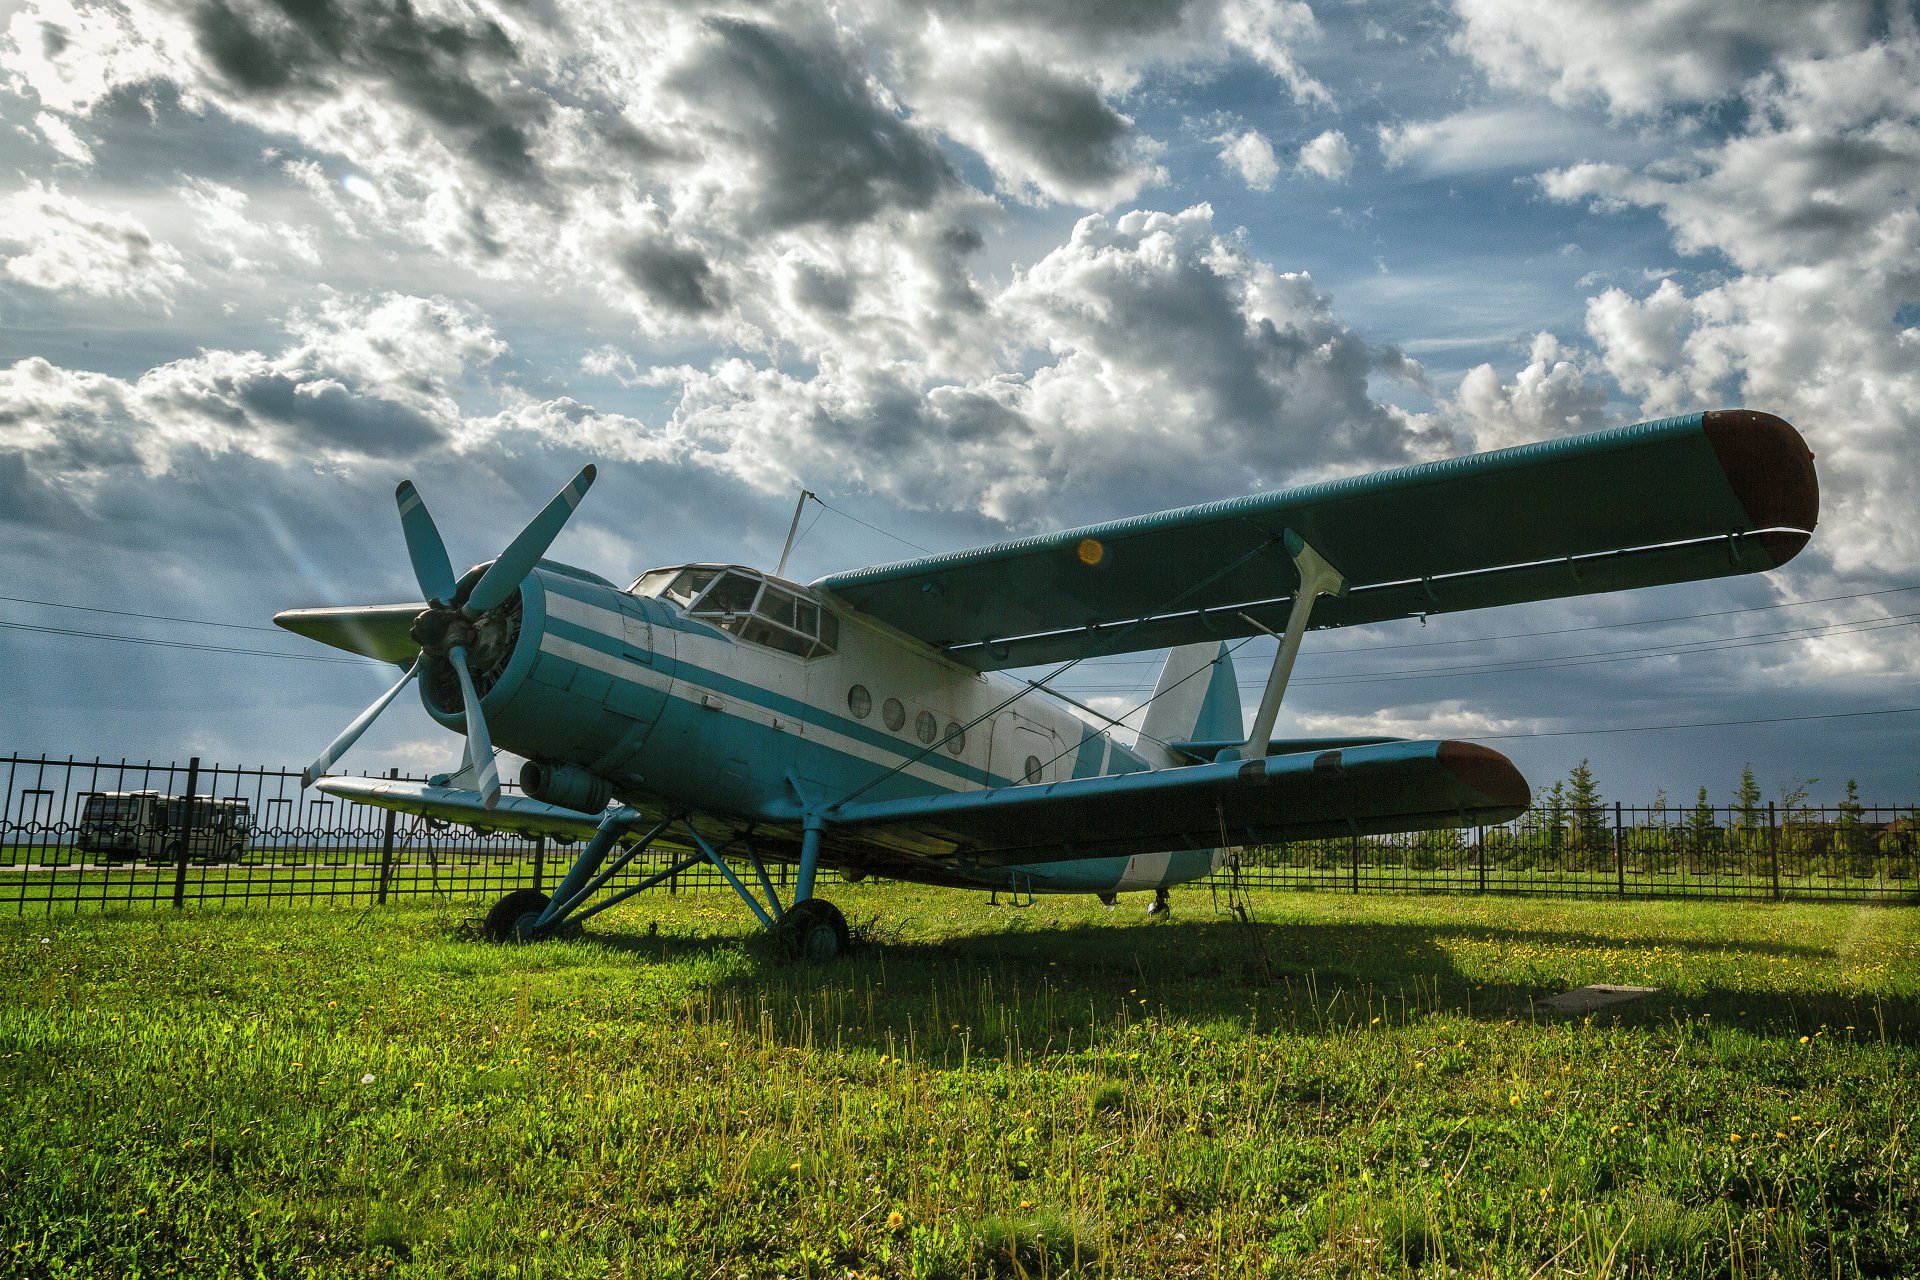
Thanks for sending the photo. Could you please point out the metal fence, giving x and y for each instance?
(96, 834)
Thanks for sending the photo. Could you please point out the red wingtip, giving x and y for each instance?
(1488, 772)
(1770, 470)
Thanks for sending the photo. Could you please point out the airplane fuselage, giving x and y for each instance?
(691, 709)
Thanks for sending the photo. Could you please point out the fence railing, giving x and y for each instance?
(94, 833)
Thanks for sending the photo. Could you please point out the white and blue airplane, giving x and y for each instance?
(859, 722)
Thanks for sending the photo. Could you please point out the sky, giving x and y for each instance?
(968, 270)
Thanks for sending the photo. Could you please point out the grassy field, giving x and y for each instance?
(1347, 1086)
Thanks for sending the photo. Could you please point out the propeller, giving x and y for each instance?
(447, 627)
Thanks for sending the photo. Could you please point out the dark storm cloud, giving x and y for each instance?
(1065, 125)
(279, 47)
(823, 148)
(678, 278)
(827, 292)
(1096, 20)
(329, 414)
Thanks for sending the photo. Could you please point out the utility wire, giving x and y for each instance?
(1701, 724)
(1564, 631)
(1678, 649)
(179, 644)
(151, 617)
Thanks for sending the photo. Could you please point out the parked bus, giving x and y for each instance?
(146, 826)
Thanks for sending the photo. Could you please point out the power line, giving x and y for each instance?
(1702, 724)
(178, 644)
(1565, 631)
(151, 617)
(1678, 649)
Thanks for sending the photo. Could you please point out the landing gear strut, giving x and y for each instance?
(1159, 906)
(812, 929)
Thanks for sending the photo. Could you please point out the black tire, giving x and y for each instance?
(815, 931)
(172, 852)
(511, 919)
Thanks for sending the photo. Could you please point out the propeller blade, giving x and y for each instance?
(503, 577)
(431, 567)
(351, 734)
(479, 744)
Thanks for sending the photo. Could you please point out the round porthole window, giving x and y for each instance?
(893, 713)
(860, 702)
(956, 739)
(1032, 772)
(925, 727)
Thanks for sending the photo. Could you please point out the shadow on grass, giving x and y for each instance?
(1066, 983)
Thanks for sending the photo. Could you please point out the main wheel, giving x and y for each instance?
(815, 930)
(513, 917)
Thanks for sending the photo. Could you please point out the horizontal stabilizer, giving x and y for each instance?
(1366, 790)
(1699, 496)
(376, 630)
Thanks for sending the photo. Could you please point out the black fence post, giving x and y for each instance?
(1773, 844)
(1619, 851)
(1480, 852)
(386, 844)
(539, 862)
(183, 837)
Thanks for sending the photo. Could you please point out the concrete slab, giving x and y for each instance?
(1600, 995)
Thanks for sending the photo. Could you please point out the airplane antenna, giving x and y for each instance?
(793, 528)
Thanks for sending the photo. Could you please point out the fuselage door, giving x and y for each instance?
(1024, 751)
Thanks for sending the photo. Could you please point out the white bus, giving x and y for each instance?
(146, 826)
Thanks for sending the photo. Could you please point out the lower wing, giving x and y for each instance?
(1371, 789)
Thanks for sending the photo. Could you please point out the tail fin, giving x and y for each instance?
(1191, 702)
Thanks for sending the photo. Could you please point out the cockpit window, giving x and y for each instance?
(745, 603)
(732, 592)
(677, 585)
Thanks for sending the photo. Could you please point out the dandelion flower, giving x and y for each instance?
(896, 1220)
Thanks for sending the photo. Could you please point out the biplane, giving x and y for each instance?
(863, 723)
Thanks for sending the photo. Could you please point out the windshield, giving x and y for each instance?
(111, 808)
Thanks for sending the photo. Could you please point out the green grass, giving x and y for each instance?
(1348, 1087)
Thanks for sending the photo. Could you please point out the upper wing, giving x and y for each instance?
(1365, 790)
(1699, 496)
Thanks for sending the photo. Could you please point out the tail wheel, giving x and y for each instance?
(513, 917)
(815, 931)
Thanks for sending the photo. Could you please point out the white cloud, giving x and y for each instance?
(54, 241)
(1815, 205)
(1329, 156)
(1250, 155)
(61, 137)
(1552, 396)
(1643, 58)
(364, 379)
(1493, 138)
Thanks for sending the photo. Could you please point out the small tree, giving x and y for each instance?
(1746, 805)
(1554, 809)
(1796, 820)
(1701, 829)
(1584, 807)
(1850, 833)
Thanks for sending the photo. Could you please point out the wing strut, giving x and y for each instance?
(1317, 578)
